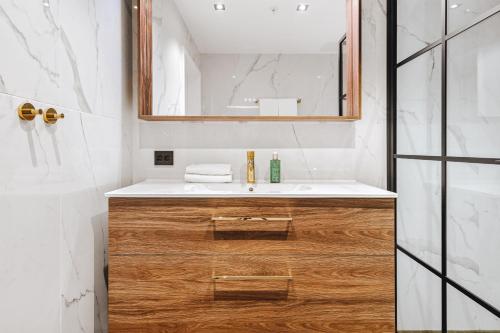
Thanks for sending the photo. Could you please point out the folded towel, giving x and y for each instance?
(287, 106)
(191, 178)
(209, 169)
(268, 106)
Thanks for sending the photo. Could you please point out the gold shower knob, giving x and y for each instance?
(51, 116)
(27, 111)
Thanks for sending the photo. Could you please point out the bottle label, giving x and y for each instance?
(275, 171)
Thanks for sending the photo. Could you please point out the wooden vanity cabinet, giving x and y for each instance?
(251, 265)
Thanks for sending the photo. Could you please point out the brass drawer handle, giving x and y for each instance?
(252, 277)
(252, 219)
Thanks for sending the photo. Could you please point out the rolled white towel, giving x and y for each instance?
(209, 169)
(192, 178)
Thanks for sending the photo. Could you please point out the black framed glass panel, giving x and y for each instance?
(419, 209)
(463, 12)
(444, 161)
(474, 227)
(419, 105)
(474, 91)
(465, 315)
(419, 297)
(418, 25)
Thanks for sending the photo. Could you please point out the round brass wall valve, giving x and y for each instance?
(27, 111)
(51, 116)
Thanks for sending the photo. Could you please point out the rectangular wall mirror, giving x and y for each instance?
(249, 60)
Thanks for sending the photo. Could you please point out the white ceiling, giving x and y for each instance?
(249, 26)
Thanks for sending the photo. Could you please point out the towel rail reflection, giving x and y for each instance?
(299, 100)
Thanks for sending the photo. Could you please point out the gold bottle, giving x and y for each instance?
(250, 167)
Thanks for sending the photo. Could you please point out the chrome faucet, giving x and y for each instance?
(250, 168)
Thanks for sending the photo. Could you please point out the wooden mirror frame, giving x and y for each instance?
(145, 75)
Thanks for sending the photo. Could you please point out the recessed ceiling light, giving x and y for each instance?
(46, 3)
(219, 7)
(302, 7)
(455, 5)
(136, 7)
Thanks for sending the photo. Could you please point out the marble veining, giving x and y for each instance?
(418, 26)
(230, 80)
(473, 84)
(418, 297)
(30, 45)
(473, 213)
(419, 105)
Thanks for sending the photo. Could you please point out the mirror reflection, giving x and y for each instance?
(248, 58)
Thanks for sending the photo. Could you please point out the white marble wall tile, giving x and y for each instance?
(246, 135)
(31, 192)
(418, 26)
(370, 133)
(297, 164)
(77, 60)
(67, 55)
(473, 227)
(29, 257)
(67, 167)
(89, 172)
(78, 242)
(419, 209)
(29, 37)
(466, 315)
(25, 163)
(418, 297)
(87, 49)
(473, 85)
(419, 105)
(309, 151)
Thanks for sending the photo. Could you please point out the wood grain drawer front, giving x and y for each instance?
(178, 294)
(334, 226)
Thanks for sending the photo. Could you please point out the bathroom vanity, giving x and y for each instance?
(282, 258)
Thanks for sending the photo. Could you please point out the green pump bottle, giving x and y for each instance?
(275, 169)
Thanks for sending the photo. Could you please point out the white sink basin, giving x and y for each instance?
(257, 188)
(334, 189)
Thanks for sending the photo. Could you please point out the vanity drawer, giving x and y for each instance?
(155, 293)
(252, 226)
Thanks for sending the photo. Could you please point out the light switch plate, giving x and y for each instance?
(164, 157)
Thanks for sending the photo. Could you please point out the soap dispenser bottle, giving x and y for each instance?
(275, 169)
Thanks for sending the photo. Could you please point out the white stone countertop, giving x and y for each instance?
(154, 188)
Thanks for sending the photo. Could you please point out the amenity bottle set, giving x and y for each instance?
(274, 168)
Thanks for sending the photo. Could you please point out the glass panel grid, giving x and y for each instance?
(479, 307)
